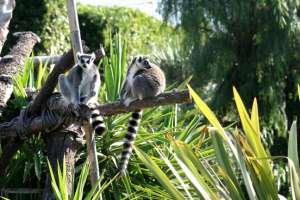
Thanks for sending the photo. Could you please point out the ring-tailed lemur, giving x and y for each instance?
(81, 86)
(143, 80)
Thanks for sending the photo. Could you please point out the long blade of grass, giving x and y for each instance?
(159, 174)
(294, 162)
(255, 116)
(251, 129)
(224, 161)
(238, 156)
(53, 182)
(62, 182)
(81, 182)
(174, 171)
(208, 113)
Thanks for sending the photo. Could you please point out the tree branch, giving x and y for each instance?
(11, 66)
(59, 107)
(166, 98)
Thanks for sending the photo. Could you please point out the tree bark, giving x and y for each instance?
(166, 98)
(61, 147)
(11, 66)
(36, 124)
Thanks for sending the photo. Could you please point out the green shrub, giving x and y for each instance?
(49, 20)
(141, 32)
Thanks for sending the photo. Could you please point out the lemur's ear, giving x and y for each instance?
(78, 55)
(132, 60)
(93, 56)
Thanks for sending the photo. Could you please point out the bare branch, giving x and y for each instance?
(37, 60)
(163, 99)
(58, 106)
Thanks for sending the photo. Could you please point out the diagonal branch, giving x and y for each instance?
(11, 65)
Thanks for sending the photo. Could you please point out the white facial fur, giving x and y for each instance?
(85, 60)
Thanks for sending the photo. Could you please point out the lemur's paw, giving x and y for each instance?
(92, 105)
(127, 102)
(75, 109)
(80, 140)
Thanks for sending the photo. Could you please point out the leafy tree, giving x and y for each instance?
(253, 45)
(142, 32)
(49, 20)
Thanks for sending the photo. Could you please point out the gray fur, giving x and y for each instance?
(81, 86)
(143, 80)
(82, 83)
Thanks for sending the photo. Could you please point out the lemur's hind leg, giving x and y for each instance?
(66, 91)
(64, 87)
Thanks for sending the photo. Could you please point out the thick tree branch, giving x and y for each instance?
(11, 66)
(59, 107)
(163, 99)
(65, 63)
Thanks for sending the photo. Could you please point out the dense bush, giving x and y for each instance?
(142, 32)
(49, 20)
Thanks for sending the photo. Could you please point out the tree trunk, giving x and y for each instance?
(10, 66)
(61, 146)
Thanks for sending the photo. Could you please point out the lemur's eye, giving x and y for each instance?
(81, 60)
(146, 63)
(88, 61)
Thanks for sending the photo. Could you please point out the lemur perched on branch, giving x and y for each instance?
(143, 80)
(81, 86)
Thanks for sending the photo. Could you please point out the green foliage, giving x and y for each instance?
(115, 67)
(204, 173)
(141, 32)
(29, 162)
(172, 58)
(48, 19)
(253, 45)
(59, 185)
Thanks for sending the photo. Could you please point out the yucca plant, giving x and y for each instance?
(236, 166)
(59, 184)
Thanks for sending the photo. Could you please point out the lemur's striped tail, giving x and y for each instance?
(97, 122)
(129, 140)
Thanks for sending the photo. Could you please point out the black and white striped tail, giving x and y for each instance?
(129, 140)
(97, 122)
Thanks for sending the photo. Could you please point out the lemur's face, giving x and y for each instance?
(141, 62)
(85, 60)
